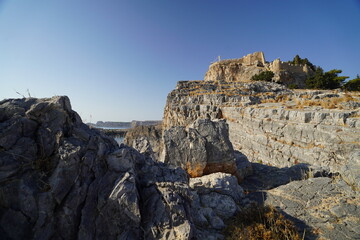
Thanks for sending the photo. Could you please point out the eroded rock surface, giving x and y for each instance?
(330, 207)
(271, 124)
(202, 148)
(146, 139)
(215, 198)
(61, 180)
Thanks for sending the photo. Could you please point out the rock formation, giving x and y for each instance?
(242, 69)
(59, 179)
(202, 148)
(146, 139)
(272, 124)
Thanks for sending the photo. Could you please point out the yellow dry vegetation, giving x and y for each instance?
(260, 222)
(327, 103)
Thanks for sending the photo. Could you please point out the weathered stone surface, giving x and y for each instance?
(269, 123)
(146, 139)
(222, 183)
(242, 69)
(202, 148)
(61, 180)
(215, 198)
(243, 166)
(330, 207)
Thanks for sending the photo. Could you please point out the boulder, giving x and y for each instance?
(215, 198)
(146, 139)
(202, 148)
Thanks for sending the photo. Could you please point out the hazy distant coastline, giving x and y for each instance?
(115, 125)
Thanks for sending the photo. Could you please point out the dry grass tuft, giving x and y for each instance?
(261, 222)
(327, 103)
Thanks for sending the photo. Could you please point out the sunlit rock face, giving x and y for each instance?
(242, 69)
(271, 124)
(202, 148)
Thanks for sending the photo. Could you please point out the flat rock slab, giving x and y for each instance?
(266, 177)
(324, 207)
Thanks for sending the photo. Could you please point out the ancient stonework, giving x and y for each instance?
(242, 69)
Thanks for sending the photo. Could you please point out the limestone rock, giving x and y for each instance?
(325, 208)
(202, 148)
(222, 183)
(146, 139)
(243, 166)
(59, 179)
(215, 198)
(271, 124)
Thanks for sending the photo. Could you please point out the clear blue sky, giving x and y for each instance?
(118, 59)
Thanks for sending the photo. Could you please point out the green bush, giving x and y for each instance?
(298, 60)
(327, 80)
(293, 86)
(263, 76)
(353, 85)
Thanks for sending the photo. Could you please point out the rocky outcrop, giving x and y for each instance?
(215, 198)
(321, 204)
(200, 149)
(146, 139)
(61, 180)
(242, 69)
(271, 124)
(330, 207)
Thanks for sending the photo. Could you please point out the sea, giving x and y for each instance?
(117, 138)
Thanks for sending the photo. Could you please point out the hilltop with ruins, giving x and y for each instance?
(242, 69)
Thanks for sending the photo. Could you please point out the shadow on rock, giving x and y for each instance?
(266, 177)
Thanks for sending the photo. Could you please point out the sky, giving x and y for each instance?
(118, 59)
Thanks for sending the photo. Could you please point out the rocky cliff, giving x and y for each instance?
(272, 124)
(59, 179)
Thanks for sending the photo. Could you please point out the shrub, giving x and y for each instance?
(293, 86)
(298, 60)
(263, 76)
(353, 85)
(261, 222)
(327, 80)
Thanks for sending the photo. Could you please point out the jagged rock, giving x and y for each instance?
(146, 139)
(268, 123)
(243, 166)
(222, 183)
(215, 198)
(61, 180)
(202, 148)
(330, 207)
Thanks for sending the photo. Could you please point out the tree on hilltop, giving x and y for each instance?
(263, 76)
(327, 80)
(353, 85)
(298, 60)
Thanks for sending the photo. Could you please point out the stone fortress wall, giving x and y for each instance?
(242, 69)
(277, 66)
